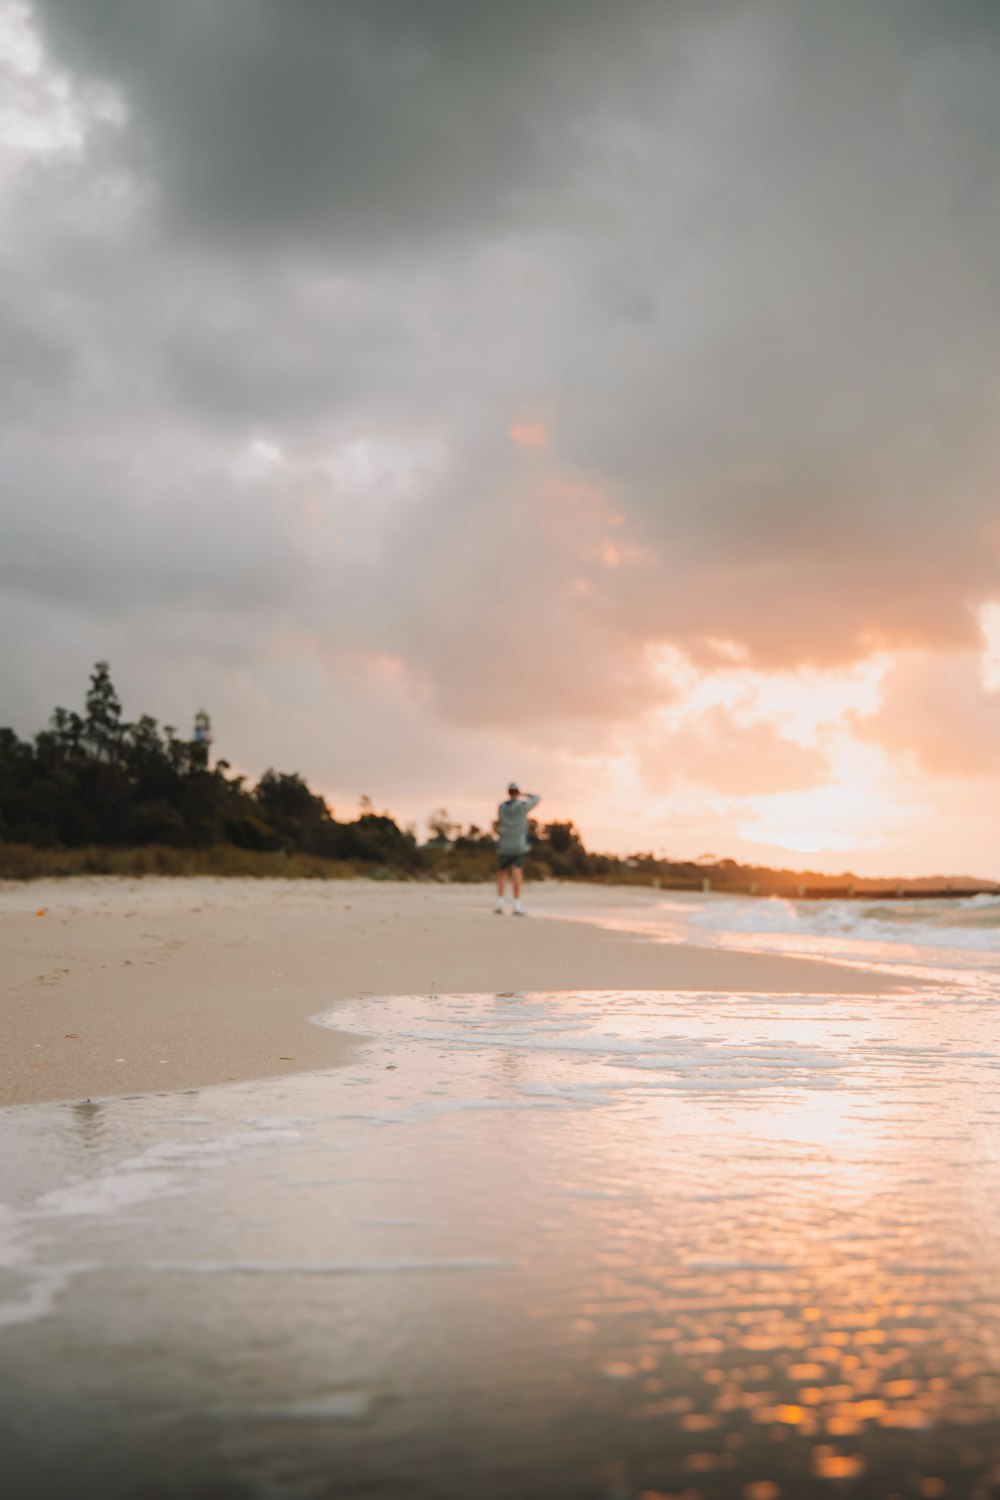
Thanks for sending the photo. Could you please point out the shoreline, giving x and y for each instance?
(153, 984)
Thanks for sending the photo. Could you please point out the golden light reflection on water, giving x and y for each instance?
(613, 1247)
(837, 1320)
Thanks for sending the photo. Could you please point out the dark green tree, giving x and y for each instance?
(102, 727)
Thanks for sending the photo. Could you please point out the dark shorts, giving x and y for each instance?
(510, 861)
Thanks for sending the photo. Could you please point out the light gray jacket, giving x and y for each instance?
(513, 816)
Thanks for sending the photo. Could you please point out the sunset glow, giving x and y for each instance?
(478, 457)
(529, 434)
(500, 749)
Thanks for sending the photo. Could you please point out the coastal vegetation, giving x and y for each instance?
(94, 793)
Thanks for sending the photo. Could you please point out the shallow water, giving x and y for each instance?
(949, 933)
(599, 1245)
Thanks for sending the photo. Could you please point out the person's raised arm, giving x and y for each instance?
(530, 800)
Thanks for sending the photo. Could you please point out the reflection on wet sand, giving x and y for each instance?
(618, 1246)
(89, 1118)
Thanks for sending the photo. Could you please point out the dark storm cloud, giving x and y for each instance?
(742, 261)
(360, 120)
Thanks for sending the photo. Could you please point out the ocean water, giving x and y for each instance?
(953, 933)
(614, 1246)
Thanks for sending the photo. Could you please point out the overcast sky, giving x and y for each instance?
(601, 394)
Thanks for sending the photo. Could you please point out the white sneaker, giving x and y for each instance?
(498, 909)
(519, 910)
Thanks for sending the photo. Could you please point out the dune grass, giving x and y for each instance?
(22, 862)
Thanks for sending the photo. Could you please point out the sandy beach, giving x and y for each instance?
(566, 1208)
(128, 986)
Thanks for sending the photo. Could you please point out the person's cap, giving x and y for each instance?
(513, 787)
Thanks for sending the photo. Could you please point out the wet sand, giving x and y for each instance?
(132, 986)
(690, 1223)
(566, 1246)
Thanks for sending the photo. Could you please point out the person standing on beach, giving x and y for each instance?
(512, 816)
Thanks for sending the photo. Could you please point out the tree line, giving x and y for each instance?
(97, 780)
(93, 786)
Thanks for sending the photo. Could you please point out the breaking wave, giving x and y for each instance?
(962, 922)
